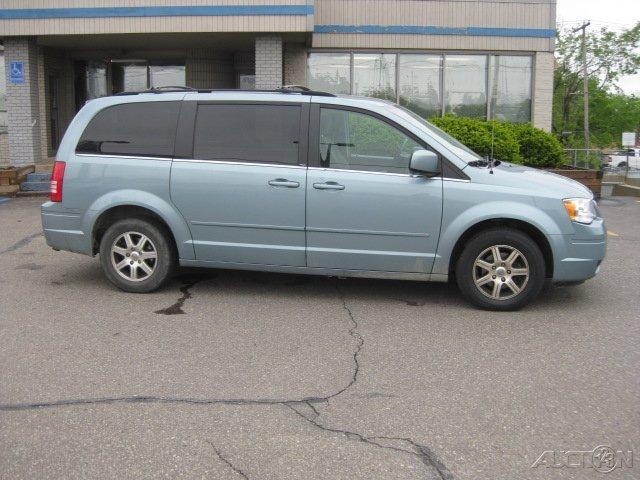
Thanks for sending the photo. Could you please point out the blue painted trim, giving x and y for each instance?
(177, 11)
(432, 30)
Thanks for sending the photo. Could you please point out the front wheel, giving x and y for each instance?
(136, 255)
(500, 269)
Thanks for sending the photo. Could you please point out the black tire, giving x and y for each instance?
(508, 238)
(162, 266)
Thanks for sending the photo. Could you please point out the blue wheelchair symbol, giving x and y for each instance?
(16, 72)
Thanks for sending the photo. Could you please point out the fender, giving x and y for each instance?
(458, 222)
(157, 205)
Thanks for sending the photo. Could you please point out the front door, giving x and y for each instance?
(243, 190)
(365, 209)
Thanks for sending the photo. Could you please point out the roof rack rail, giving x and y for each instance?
(302, 90)
(166, 89)
(288, 89)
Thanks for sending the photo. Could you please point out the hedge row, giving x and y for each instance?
(516, 143)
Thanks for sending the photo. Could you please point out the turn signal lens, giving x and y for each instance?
(581, 210)
(57, 179)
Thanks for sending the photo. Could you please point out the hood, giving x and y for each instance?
(536, 181)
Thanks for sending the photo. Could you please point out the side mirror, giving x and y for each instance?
(425, 161)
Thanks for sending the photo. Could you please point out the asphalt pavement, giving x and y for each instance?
(226, 374)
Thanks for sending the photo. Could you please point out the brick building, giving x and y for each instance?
(483, 58)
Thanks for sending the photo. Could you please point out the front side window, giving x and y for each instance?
(135, 129)
(248, 133)
(357, 141)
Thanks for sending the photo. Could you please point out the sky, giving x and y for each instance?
(614, 14)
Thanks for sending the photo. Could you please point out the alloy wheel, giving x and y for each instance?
(134, 256)
(501, 272)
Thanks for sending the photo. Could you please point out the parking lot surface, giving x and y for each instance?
(227, 374)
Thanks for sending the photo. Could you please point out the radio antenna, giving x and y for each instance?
(493, 127)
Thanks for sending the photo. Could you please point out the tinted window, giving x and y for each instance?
(356, 141)
(248, 133)
(137, 129)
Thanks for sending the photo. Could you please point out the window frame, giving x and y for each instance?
(185, 140)
(314, 138)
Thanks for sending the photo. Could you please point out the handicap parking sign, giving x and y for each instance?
(16, 72)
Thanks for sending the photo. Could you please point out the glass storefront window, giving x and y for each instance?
(167, 75)
(419, 84)
(465, 85)
(134, 77)
(330, 72)
(510, 88)
(96, 80)
(374, 75)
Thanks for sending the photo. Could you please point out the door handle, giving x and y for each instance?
(283, 182)
(328, 186)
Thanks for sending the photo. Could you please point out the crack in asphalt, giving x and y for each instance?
(227, 461)
(21, 243)
(422, 452)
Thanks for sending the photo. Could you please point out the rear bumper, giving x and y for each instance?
(63, 229)
(577, 257)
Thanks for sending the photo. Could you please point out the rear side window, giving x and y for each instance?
(135, 129)
(248, 133)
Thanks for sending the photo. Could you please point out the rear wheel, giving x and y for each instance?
(136, 255)
(500, 269)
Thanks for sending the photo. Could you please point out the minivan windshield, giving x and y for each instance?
(461, 150)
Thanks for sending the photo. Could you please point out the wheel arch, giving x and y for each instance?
(534, 232)
(136, 204)
(122, 212)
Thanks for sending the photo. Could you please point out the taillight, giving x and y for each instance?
(57, 179)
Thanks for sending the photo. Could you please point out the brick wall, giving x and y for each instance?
(295, 64)
(268, 62)
(23, 103)
(4, 149)
(543, 90)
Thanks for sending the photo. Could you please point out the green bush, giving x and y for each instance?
(516, 143)
(539, 148)
(476, 134)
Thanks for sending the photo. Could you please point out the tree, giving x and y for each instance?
(610, 55)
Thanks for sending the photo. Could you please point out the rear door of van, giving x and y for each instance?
(239, 179)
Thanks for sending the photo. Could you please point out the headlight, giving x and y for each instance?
(581, 210)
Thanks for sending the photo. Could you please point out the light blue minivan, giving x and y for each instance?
(307, 182)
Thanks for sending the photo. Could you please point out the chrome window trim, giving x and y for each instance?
(126, 157)
(227, 162)
(460, 180)
(367, 171)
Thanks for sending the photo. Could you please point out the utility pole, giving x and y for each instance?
(585, 79)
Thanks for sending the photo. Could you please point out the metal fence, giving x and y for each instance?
(590, 158)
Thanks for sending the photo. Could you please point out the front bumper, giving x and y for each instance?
(577, 257)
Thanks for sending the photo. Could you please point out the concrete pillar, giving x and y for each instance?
(268, 62)
(23, 102)
(542, 107)
(295, 64)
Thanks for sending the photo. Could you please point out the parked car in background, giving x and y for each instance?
(624, 157)
(309, 182)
